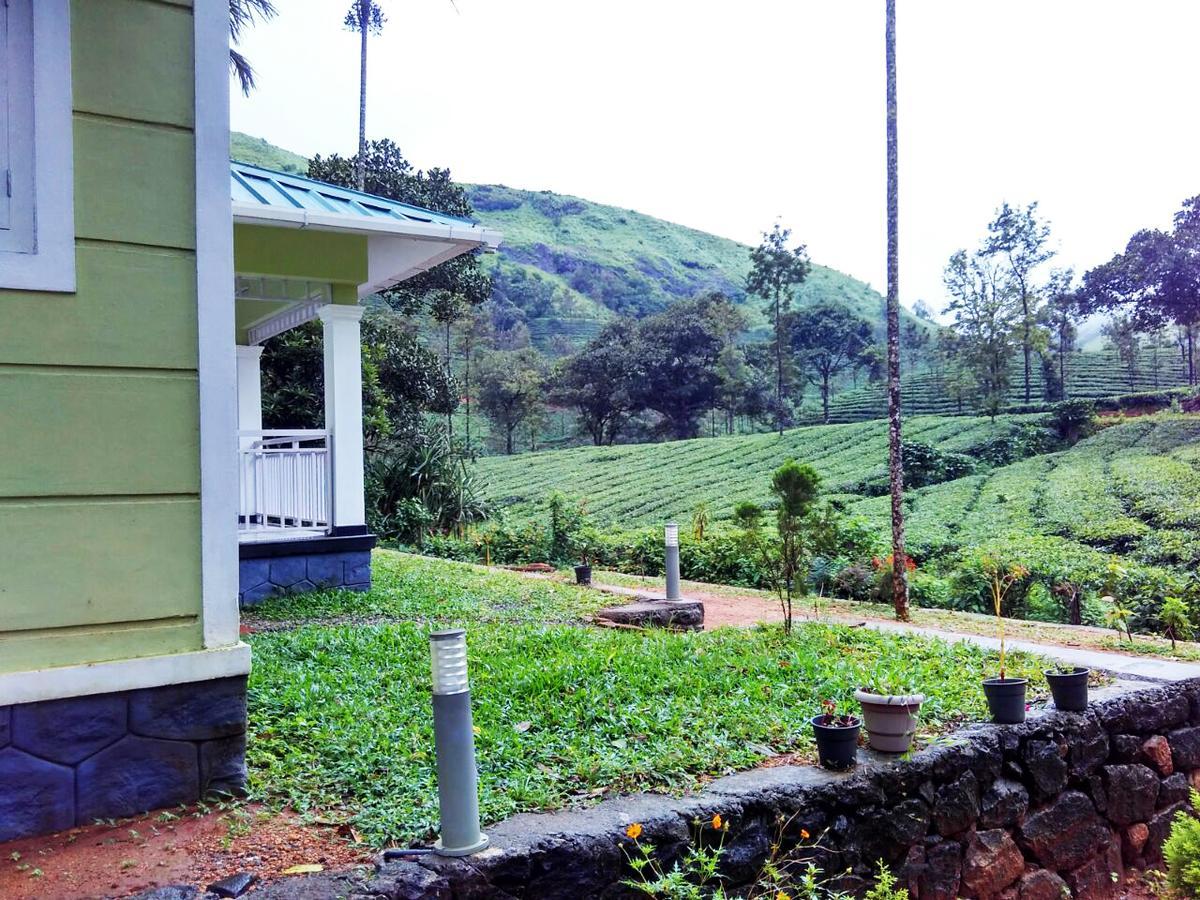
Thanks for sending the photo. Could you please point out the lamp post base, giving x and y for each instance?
(480, 844)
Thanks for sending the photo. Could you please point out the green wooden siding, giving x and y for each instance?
(99, 503)
(292, 253)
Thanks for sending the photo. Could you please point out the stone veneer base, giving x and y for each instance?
(306, 569)
(69, 762)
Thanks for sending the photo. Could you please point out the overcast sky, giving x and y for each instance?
(726, 115)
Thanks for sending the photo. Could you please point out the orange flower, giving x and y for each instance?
(634, 831)
(804, 835)
(716, 821)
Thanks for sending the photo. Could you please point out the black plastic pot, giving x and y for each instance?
(1070, 689)
(583, 575)
(1006, 699)
(837, 745)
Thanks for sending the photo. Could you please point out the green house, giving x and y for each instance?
(140, 497)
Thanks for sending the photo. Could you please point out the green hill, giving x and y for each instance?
(568, 265)
(637, 484)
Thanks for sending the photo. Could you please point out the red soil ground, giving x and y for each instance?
(194, 847)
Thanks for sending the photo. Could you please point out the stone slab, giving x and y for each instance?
(678, 615)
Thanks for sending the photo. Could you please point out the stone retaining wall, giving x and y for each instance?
(295, 574)
(1029, 812)
(69, 762)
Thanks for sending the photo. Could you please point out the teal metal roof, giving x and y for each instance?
(263, 187)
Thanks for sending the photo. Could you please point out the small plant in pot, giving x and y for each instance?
(585, 544)
(890, 705)
(1069, 687)
(1005, 696)
(837, 737)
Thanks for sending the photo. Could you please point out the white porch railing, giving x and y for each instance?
(285, 484)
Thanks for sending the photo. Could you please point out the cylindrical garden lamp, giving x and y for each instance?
(454, 741)
(672, 552)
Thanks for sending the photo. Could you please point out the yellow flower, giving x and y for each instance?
(804, 835)
(716, 821)
(634, 831)
(783, 895)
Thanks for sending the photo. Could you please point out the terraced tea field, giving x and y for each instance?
(639, 484)
(1133, 488)
(1089, 376)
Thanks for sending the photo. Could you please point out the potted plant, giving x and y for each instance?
(585, 548)
(890, 707)
(837, 737)
(1069, 687)
(1005, 696)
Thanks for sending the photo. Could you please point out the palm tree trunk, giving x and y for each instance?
(360, 169)
(895, 458)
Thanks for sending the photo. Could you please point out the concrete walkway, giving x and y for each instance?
(1142, 668)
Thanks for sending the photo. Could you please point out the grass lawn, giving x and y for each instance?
(339, 708)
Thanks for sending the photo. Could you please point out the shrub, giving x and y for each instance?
(925, 465)
(855, 582)
(1182, 851)
(1073, 419)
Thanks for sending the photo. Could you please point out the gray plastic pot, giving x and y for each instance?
(890, 719)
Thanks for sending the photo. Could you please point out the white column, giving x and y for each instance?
(343, 411)
(249, 390)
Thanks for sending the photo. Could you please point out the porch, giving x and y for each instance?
(307, 251)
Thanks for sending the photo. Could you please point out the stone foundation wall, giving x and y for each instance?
(69, 762)
(274, 576)
(1060, 804)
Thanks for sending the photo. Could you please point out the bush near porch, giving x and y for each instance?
(339, 706)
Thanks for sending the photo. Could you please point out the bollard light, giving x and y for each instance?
(672, 553)
(454, 743)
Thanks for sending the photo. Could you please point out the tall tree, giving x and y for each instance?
(1123, 334)
(600, 380)
(511, 390)
(830, 339)
(775, 273)
(1020, 241)
(895, 446)
(473, 334)
(986, 319)
(1156, 281)
(1062, 313)
(365, 17)
(242, 14)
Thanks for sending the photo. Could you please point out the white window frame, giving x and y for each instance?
(38, 251)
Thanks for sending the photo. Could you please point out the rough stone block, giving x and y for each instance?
(137, 774)
(257, 595)
(37, 796)
(326, 570)
(1159, 827)
(1089, 749)
(906, 822)
(223, 766)
(252, 573)
(1173, 790)
(68, 731)
(1042, 884)
(1133, 840)
(1125, 747)
(681, 615)
(1156, 752)
(992, 862)
(1099, 877)
(287, 571)
(943, 868)
(1045, 761)
(1064, 833)
(1132, 793)
(957, 805)
(5, 726)
(1004, 804)
(1185, 747)
(357, 568)
(198, 711)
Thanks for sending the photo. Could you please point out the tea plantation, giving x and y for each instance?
(637, 484)
(1090, 376)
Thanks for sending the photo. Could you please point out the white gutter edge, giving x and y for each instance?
(255, 214)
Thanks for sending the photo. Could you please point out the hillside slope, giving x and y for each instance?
(568, 265)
